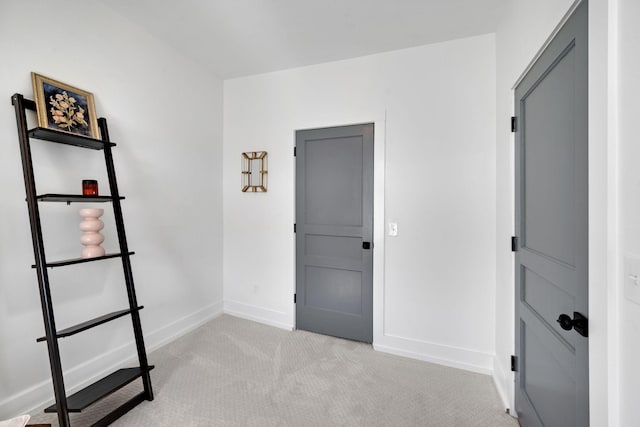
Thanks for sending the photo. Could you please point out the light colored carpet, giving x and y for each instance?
(234, 372)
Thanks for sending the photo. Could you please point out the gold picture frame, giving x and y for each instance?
(64, 108)
(254, 172)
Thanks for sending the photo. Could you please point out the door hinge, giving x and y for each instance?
(294, 151)
(514, 244)
(514, 123)
(294, 228)
(514, 364)
(294, 298)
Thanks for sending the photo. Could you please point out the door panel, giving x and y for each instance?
(548, 168)
(334, 217)
(348, 248)
(333, 179)
(552, 380)
(330, 288)
(544, 364)
(545, 299)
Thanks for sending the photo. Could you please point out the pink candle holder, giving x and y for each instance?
(91, 239)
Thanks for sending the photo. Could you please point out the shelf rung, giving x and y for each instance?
(121, 410)
(29, 104)
(68, 138)
(100, 389)
(90, 324)
(74, 198)
(82, 260)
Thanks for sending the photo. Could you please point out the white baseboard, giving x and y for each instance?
(453, 357)
(503, 380)
(258, 314)
(180, 327)
(34, 399)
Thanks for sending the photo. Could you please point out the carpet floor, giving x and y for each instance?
(234, 372)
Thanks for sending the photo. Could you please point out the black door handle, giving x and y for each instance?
(579, 323)
(366, 245)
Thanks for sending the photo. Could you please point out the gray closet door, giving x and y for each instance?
(334, 221)
(551, 262)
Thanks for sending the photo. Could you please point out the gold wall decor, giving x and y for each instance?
(254, 171)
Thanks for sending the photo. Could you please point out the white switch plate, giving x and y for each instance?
(393, 229)
(632, 278)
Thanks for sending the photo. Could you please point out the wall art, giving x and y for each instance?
(64, 108)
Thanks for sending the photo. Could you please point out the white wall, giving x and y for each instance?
(165, 115)
(522, 32)
(628, 89)
(434, 109)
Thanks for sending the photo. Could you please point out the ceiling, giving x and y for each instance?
(236, 38)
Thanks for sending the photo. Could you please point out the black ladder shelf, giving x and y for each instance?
(82, 399)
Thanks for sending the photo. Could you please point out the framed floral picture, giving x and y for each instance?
(64, 108)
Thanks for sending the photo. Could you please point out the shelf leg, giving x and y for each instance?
(41, 263)
(126, 261)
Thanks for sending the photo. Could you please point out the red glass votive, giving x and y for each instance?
(89, 187)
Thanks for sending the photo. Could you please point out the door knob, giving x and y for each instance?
(579, 323)
(566, 322)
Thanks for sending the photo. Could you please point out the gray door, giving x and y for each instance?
(334, 222)
(551, 262)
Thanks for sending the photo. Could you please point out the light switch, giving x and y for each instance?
(632, 278)
(393, 229)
